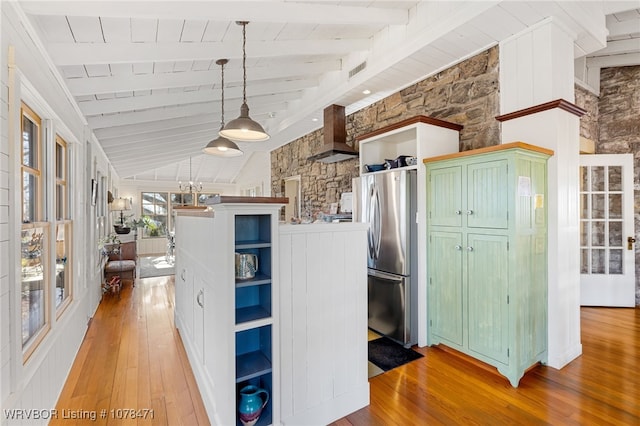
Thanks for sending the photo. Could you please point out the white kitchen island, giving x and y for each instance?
(305, 338)
(323, 322)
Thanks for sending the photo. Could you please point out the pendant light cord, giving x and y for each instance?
(244, 62)
(222, 100)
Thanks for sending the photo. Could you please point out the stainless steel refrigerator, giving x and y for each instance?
(387, 202)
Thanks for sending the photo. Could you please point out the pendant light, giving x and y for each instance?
(244, 128)
(221, 146)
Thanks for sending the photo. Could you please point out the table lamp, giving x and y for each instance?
(120, 204)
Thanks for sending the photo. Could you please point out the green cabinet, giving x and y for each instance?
(486, 255)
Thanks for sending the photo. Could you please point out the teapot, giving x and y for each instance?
(246, 266)
(251, 404)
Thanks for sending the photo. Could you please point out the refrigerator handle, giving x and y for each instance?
(377, 227)
(369, 220)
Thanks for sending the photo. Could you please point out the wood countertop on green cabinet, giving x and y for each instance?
(487, 255)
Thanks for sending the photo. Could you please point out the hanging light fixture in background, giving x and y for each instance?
(190, 187)
(244, 128)
(221, 146)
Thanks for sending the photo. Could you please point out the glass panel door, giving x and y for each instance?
(607, 261)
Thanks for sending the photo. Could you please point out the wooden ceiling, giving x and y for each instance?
(144, 74)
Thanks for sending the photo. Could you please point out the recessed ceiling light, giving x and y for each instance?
(366, 92)
(314, 119)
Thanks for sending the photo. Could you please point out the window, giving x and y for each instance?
(34, 237)
(63, 275)
(155, 206)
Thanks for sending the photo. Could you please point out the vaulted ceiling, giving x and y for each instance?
(144, 74)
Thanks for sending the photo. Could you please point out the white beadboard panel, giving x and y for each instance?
(323, 319)
(558, 130)
(536, 66)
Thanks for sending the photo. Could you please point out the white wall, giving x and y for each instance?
(256, 173)
(37, 383)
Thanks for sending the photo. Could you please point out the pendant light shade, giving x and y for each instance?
(221, 146)
(244, 128)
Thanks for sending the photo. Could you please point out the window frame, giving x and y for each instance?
(38, 170)
(63, 219)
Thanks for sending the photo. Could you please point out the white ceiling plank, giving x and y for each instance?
(631, 26)
(193, 30)
(55, 29)
(133, 129)
(143, 31)
(103, 53)
(256, 11)
(120, 70)
(86, 29)
(625, 60)
(203, 65)
(216, 31)
(85, 98)
(154, 101)
(182, 66)
(116, 83)
(143, 67)
(163, 137)
(73, 71)
(100, 96)
(621, 46)
(161, 68)
(116, 30)
(98, 70)
(257, 104)
(169, 30)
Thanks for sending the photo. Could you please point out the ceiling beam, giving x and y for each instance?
(618, 47)
(625, 60)
(122, 52)
(107, 106)
(254, 11)
(125, 83)
(258, 104)
(616, 29)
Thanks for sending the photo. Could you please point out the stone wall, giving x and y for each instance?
(619, 130)
(466, 94)
(588, 122)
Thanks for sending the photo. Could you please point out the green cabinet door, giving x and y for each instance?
(487, 286)
(445, 196)
(487, 195)
(445, 288)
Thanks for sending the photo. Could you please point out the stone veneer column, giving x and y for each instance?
(536, 68)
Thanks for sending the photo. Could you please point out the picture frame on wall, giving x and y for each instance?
(94, 191)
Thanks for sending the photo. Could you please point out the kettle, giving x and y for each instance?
(246, 266)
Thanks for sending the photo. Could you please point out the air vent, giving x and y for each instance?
(357, 69)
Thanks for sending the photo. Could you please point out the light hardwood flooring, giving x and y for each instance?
(132, 357)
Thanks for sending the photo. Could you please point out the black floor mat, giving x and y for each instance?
(388, 354)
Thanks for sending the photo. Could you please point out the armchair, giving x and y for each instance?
(122, 263)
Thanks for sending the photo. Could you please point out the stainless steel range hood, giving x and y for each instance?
(335, 147)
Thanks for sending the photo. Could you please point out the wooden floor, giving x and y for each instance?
(132, 357)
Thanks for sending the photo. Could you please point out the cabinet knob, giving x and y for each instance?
(458, 212)
(469, 248)
(469, 212)
(458, 247)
